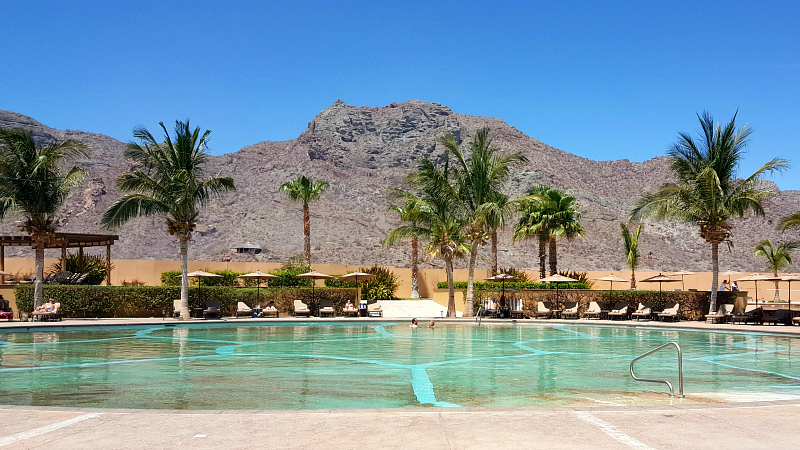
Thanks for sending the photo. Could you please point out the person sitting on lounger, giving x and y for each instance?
(348, 305)
(271, 306)
(47, 307)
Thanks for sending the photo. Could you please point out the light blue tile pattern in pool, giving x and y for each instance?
(386, 365)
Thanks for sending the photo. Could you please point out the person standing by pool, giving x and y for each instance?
(734, 287)
(413, 323)
(723, 286)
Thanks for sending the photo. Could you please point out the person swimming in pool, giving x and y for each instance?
(413, 323)
(430, 325)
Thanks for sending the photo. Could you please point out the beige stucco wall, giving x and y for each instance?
(149, 271)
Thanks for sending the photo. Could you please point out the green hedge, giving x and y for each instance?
(149, 301)
(510, 285)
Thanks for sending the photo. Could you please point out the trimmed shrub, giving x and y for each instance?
(171, 278)
(287, 272)
(149, 301)
(511, 285)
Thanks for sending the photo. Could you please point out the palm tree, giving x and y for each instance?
(777, 257)
(534, 224)
(480, 178)
(790, 221)
(706, 191)
(33, 183)
(631, 241)
(436, 217)
(407, 214)
(499, 210)
(550, 215)
(304, 190)
(168, 181)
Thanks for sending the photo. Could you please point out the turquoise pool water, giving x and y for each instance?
(384, 365)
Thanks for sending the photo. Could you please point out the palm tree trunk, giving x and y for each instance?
(469, 300)
(542, 257)
(712, 308)
(494, 251)
(307, 232)
(414, 267)
(777, 288)
(451, 300)
(553, 257)
(184, 279)
(37, 290)
(633, 278)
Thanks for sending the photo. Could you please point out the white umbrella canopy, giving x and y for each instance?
(313, 275)
(682, 274)
(200, 274)
(557, 279)
(357, 277)
(612, 278)
(660, 278)
(756, 277)
(502, 277)
(258, 275)
(790, 278)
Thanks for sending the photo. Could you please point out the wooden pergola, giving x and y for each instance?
(62, 241)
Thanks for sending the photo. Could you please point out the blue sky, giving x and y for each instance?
(603, 80)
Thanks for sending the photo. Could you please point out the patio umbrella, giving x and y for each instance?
(612, 278)
(313, 275)
(503, 277)
(357, 276)
(200, 274)
(557, 279)
(660, 278)
(258, 275)
(755, 278)
(790, 278)
(682, 273)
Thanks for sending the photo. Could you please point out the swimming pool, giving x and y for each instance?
(384, 365)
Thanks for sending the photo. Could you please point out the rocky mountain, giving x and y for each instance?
(363, 152)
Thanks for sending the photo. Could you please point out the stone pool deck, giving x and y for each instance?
(740, 426)
(751, 425)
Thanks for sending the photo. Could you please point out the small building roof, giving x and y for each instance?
(61, 240)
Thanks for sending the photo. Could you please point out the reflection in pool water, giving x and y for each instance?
(384, 365)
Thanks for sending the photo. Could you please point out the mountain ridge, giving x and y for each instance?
(363, 151)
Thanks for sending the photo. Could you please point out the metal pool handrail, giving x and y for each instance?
(680, 368)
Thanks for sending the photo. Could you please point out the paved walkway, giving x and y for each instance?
(754, 426)
(406, 309)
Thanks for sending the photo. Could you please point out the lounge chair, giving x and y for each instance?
(5, 311)
(301, 309)
(488, 308)
(351, 311)
(270, 310)
(594, 310)
(213, 309)
(176, 308)
(796, 320)
(620, 311)
(516, 308)
(644, 311)
(571, 309)
(723, 314)
(750, 314)
(326, 307)
(53, 314)
(672, 313)
(374, 309)
(543, 310)
(781, 315)
(243, 310)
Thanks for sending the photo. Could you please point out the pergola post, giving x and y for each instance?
(3, 263)
(108, 264)
(64, 256)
